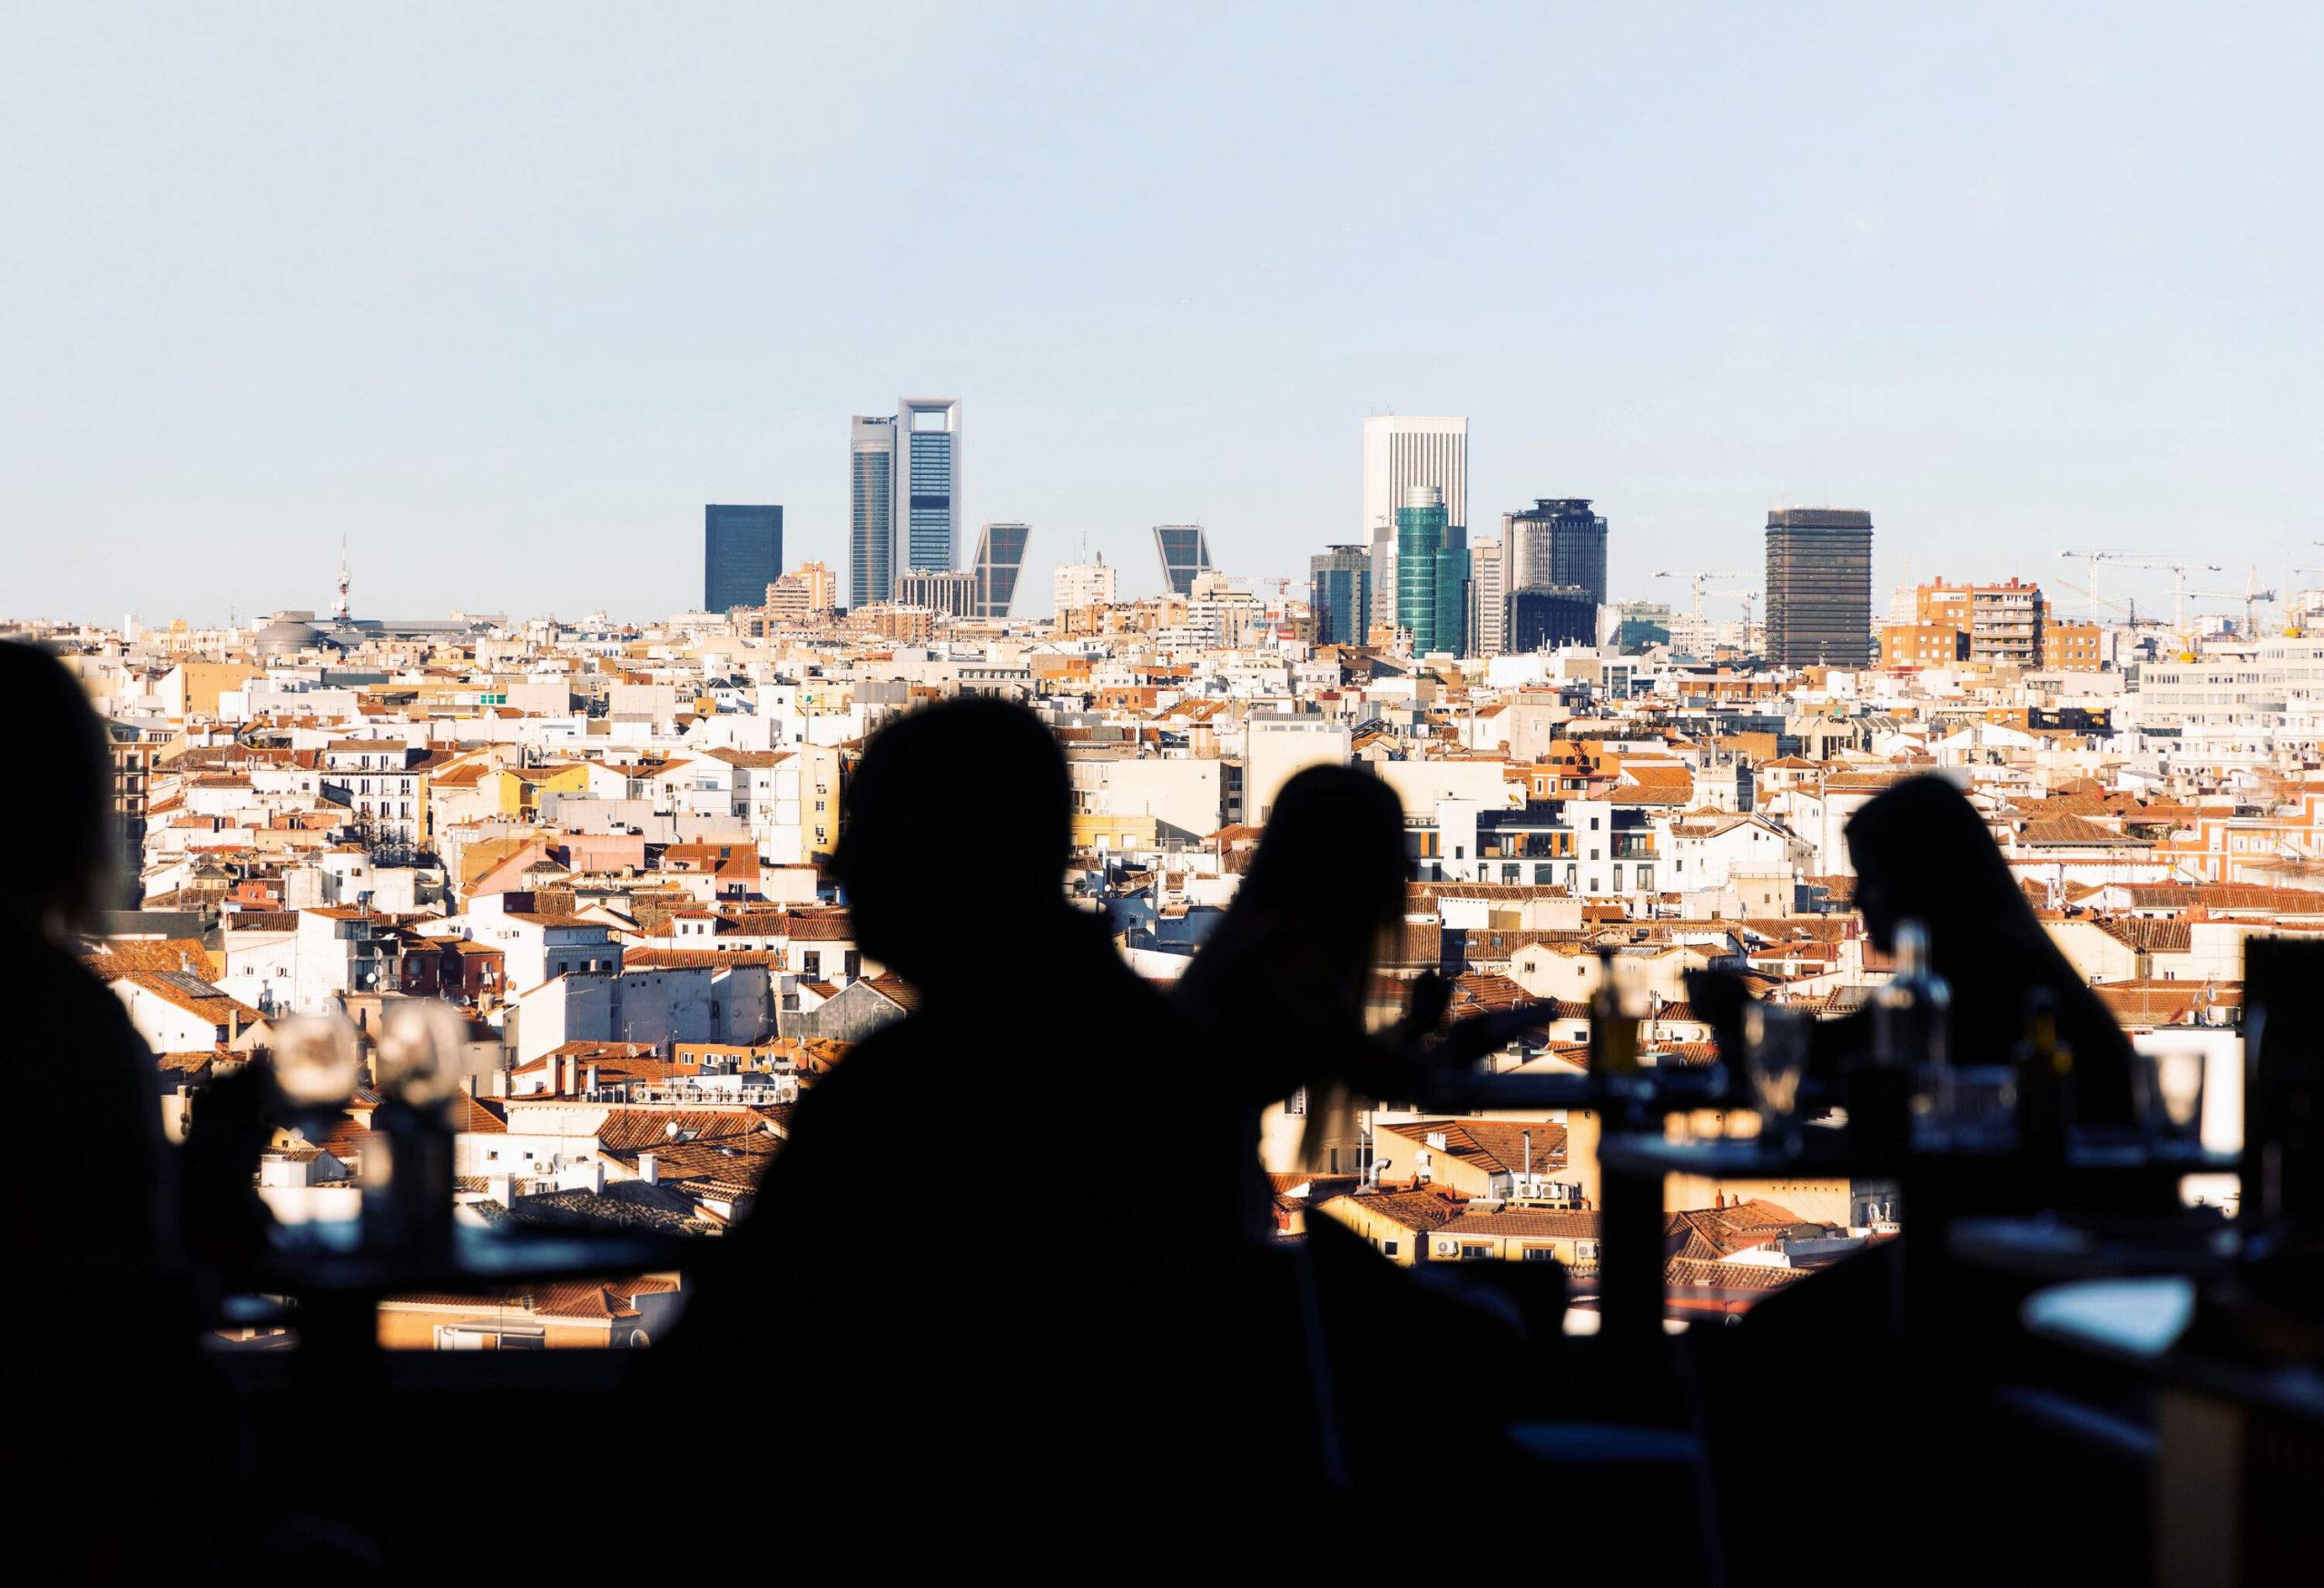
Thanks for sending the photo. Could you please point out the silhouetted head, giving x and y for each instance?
(1923, 852)
(61, 866)
(1331, 860)
(959, 822)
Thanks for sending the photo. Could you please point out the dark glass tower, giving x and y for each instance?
(871, 509)
(1340, 595)
(1557, 542)
(1184, 551)
(1000, 558)
(742, 555)
(1544, 619)
(1819, 587)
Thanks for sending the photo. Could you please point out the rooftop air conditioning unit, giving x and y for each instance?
(1444, 1248)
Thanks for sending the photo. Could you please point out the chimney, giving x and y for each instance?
(592, 1077)
(234, 1023)
(648, 1169)
(571, 1067)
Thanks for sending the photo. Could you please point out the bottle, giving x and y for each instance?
(1911, 1014)
(2044, 1064)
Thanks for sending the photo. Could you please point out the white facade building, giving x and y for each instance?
(1082, 583)
(1400, 451)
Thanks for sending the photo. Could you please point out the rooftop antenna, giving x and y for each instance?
(338, 608)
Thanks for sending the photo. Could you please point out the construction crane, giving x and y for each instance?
(2129, 609)
(2250, 595)
(2177, 570)
(1699, 581)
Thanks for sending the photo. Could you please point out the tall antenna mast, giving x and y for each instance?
(338, 608)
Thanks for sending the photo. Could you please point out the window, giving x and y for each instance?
(1539, 1253)
(1387, 1249)
(811, 965)
(1473, 1252)
(1296, 1103)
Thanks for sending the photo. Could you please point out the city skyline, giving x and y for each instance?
(1948, 297)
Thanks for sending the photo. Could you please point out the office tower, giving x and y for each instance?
(1545, 618)
(1400, 451)
(1184, 551)
(928, 484)
(1488, 592)
(741, 553)
(1340, 595)
(1819, 587)
(1432, 574)
(1077, 585)
(871, 511)
(1000, 558)
(1556, 541)
(948, 595)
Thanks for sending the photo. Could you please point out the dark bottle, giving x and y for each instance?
(2044, 1064)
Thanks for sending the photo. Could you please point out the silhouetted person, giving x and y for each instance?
(1922, 851)
(90, 1237)
(1815, 1366)
(968, 1294)
(1279, 991)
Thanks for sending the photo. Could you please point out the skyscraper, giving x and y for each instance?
(1000, 558)
(928, 484)
(1556, 541)
(1184, 551)
(1819, 586)
(871, 511)
(1488, 609)
(1400, 451)
(1431, 572)
(1340, 595)
(742, 555)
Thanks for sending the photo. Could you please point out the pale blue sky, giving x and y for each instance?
(505, 293)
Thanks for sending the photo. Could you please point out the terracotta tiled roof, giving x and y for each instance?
(1419, 1210)
(1495, 1145)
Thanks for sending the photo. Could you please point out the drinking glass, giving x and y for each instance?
(2172, 1107)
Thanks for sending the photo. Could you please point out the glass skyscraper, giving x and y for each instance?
(1000, 558)
(1432, 574)
(927, 496)
(1184, 551)
(1543, 618)
(742, 555)
(1558, 542)
(1340, 595)
(1400, 451)
(871, 511)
